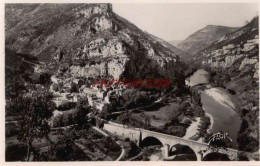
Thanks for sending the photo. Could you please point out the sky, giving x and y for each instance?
(178, 21)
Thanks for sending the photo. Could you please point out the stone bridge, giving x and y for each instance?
(141, 136)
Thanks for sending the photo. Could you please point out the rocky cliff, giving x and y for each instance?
(234, 60)
(236, 52)
(85, 40)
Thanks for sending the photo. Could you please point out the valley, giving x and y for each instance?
(56, 111)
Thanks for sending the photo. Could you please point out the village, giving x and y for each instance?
(72, 90)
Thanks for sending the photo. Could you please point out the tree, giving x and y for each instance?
(83, 109)
(106, 111)
(134, 150)
(34, 112)
(124, 118)
(203, 126)
(14, 86)
(63, 150)
(147, 122)
(74, 87)
(45, 79)
(59, 121)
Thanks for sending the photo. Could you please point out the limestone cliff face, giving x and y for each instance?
(112, 68)
(236, 51)
(102, 47)
(98, 9)
(241, 54)
(84, 40)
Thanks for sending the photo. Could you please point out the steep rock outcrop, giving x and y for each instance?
(112, 68)
(87, 40)
(236, 51)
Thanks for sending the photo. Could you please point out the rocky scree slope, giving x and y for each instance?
(203, 38)
(86, 40)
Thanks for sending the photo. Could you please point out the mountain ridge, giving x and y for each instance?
(183, 55)
(203, 38)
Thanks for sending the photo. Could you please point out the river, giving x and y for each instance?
(218, 103)
(200, 76)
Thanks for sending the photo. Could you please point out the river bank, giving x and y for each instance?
(192, 129)
(211, 121)
(219, 105)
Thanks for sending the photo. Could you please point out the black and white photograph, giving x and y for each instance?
(139, 81)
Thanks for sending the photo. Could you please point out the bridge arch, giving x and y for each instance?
(150, 141)
(216, 156)
(183, 153)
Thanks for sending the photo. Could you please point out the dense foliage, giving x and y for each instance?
(66, 106)
(63, 150)
(75, 116)
(35, 111)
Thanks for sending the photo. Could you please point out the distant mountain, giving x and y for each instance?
(175, 42)
(203, 38)
(183, 55)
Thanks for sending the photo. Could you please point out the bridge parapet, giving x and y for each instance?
(124, 132)
(171, 137)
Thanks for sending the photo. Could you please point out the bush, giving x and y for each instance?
(66, 106)
(182, 107)
(65, 119)
(12, 129)
(63, 150)
(58, 121)
(242, 157)
(55, 87)
(178, 131)
(203, 126)
(45, 78)
(111, 145)
(15, 153)
(187, 122)
(134, 150)
(74, 88)
(198, 111)
(247, 143)
(232, 92)
(133, 120)
(132, 98)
